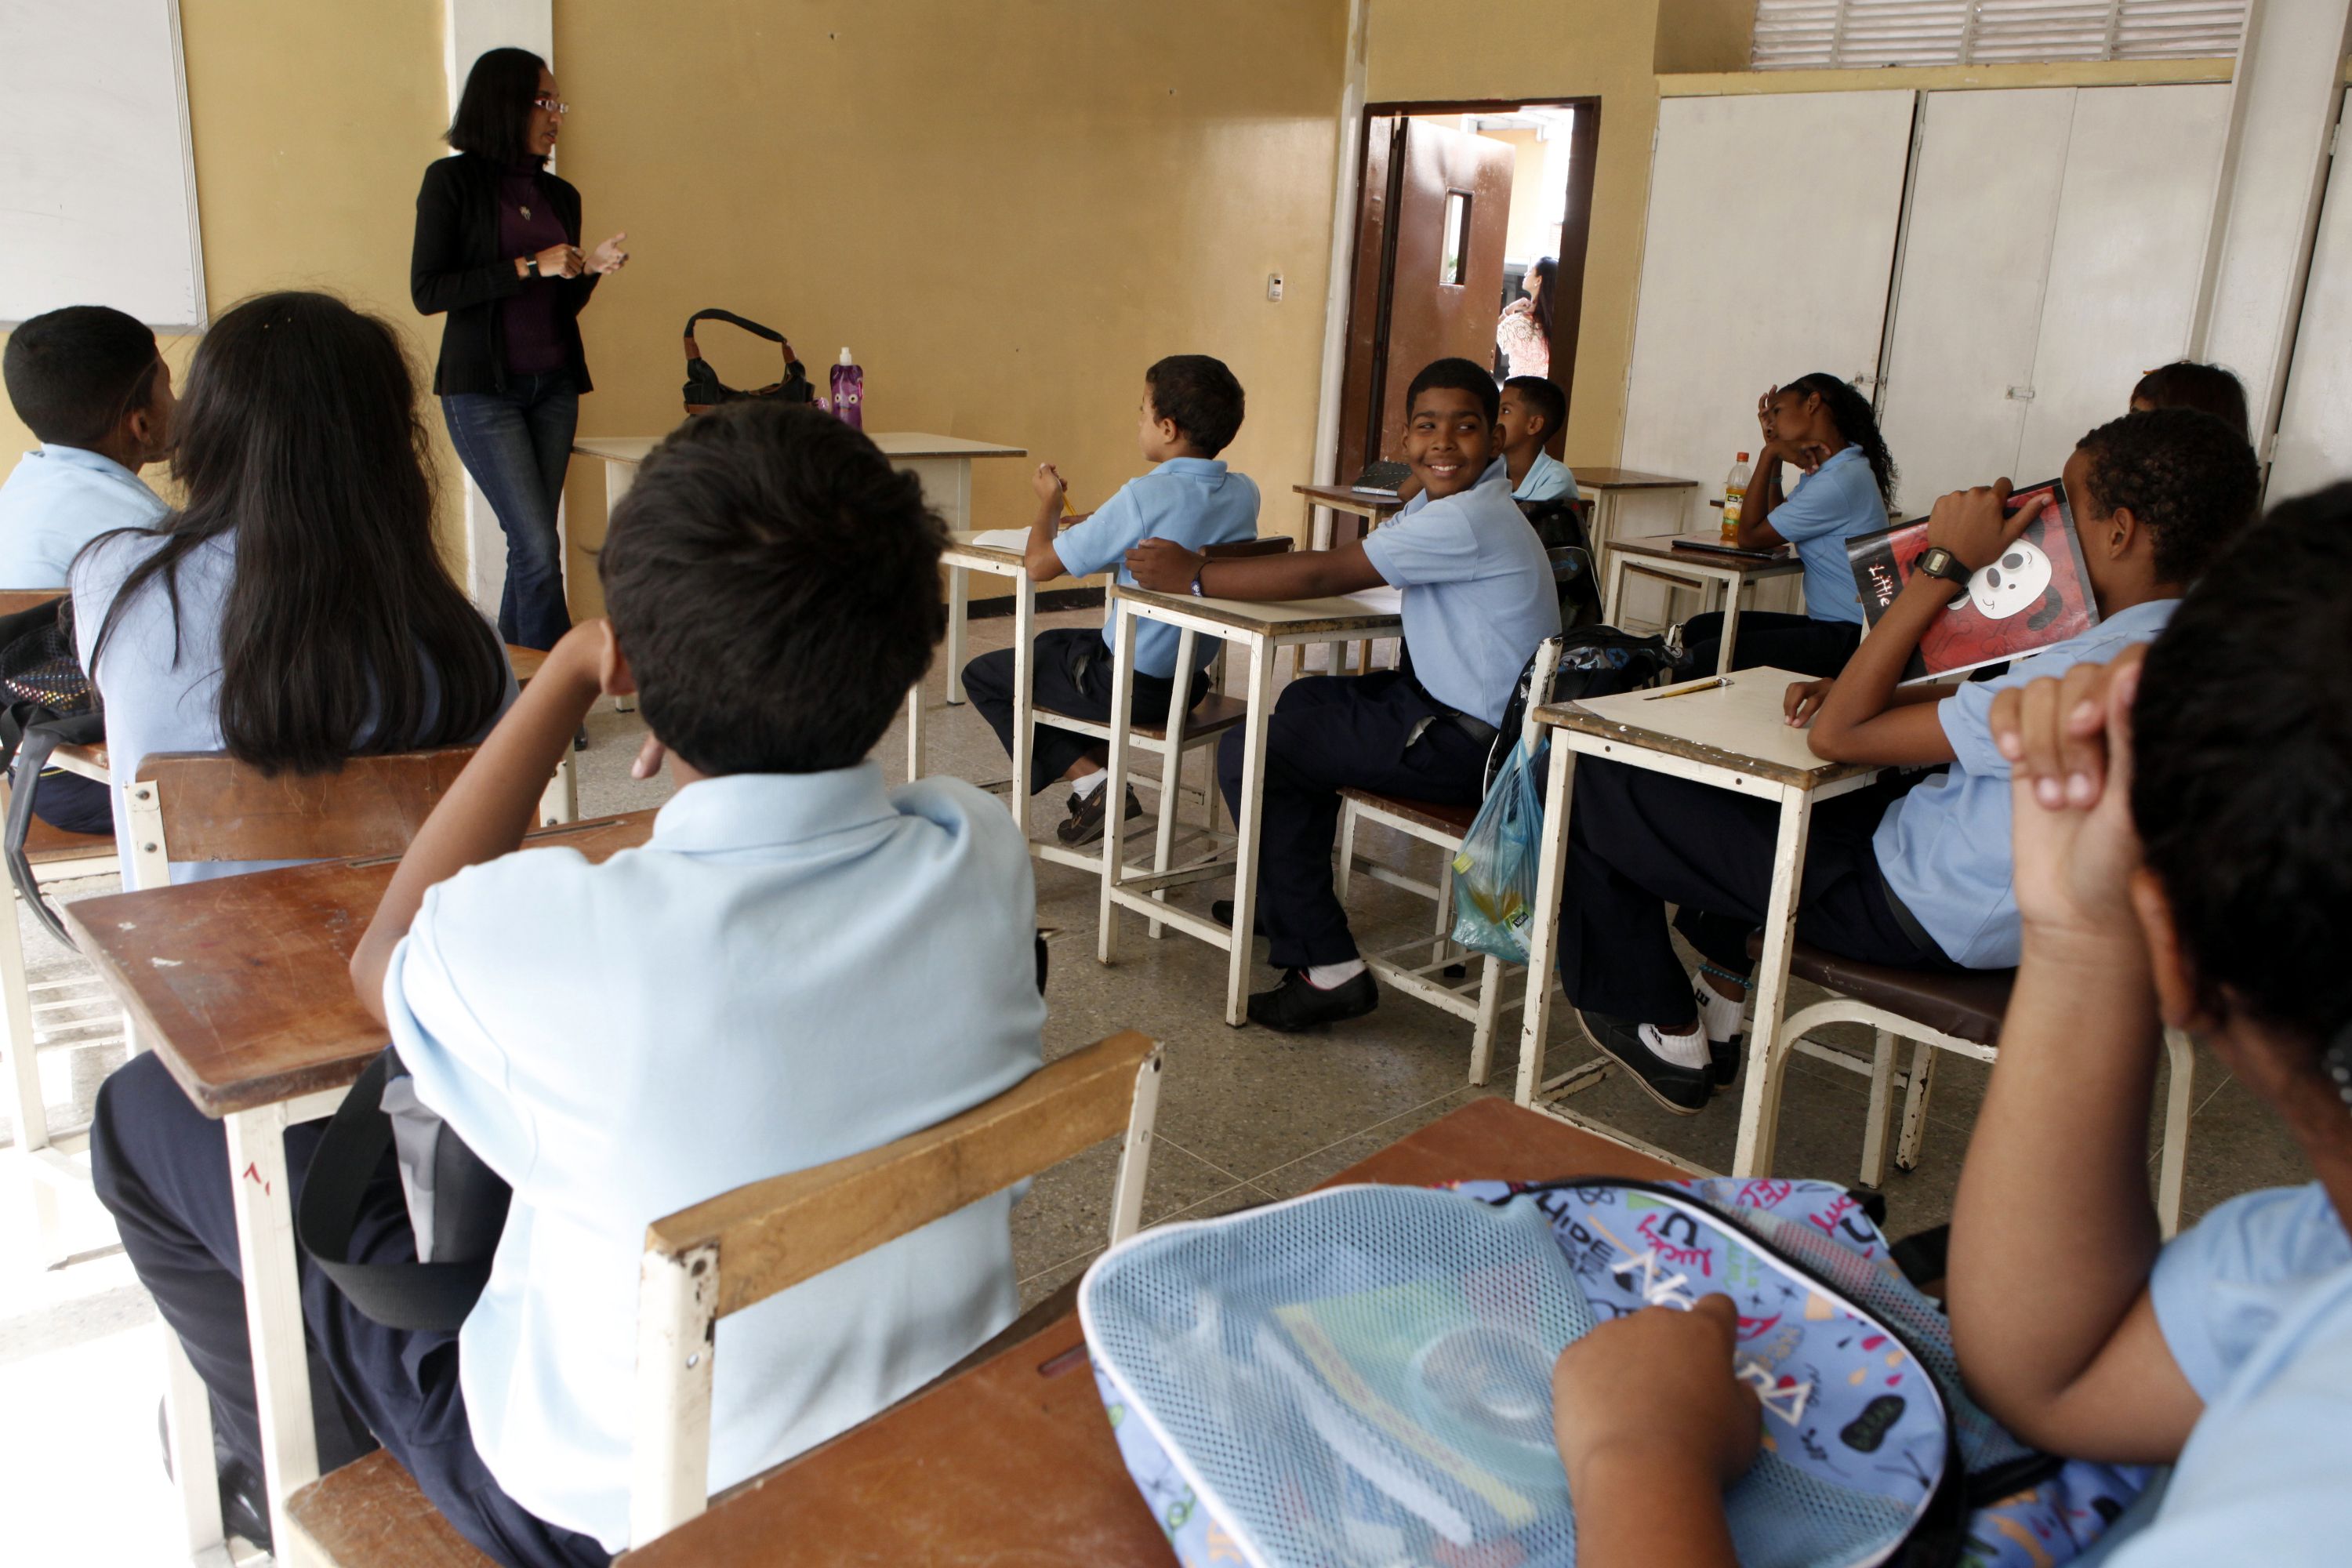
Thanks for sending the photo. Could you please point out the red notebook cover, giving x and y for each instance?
(2036, 594)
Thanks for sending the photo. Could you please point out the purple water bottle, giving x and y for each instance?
(849, 392)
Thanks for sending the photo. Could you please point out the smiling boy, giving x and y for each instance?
(1478, 599)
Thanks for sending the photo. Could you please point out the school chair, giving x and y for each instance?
(1433, 979)
(741, 1247)
(1173, 741)
(1939, 1010)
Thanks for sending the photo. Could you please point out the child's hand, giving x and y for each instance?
(1047, 482)
(2068, 740)
(1803, 699)
(1163, 566)
(1657, 1386)
(1764, 413)
(1976, 526)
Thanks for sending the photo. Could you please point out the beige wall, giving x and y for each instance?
(1007, 211)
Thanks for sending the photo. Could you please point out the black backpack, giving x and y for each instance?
(1594, 661)
(46, 701)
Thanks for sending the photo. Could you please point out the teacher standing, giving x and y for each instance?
(497, 249)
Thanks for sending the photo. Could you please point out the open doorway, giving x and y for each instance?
(1458, 205)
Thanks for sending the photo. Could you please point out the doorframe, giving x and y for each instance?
(1356, 114)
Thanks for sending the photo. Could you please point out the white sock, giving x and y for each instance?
(1331, 977)
(1718, 1015)
(1084, 784)
(1683, 1050)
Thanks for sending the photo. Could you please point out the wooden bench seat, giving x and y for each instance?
(1453, 819)
(371, 1511)
(48, 846)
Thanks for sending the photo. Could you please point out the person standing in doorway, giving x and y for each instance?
(498, 250)
(1524, 335)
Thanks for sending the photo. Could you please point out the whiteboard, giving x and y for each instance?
(1717, 324)
(2314, 431)
(97, 168)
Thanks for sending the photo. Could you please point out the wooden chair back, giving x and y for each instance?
(17, 601)
(1247, 549)
(206, 806)
(738, 1249)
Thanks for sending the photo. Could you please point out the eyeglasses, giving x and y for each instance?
(553, 105)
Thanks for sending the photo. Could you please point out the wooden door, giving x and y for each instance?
(1430, 235)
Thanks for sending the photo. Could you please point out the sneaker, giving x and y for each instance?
(1299, 1003)
(1221, 911)
(1681, 1089)
(1084, 823)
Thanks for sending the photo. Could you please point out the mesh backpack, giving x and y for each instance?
(1362, 1378)
(46, 701)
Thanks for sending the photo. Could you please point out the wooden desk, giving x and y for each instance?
(1013, 1461)
(962, 559)
(1728, 732)
(1373, 506)
(1628, 503)
(241, 984)
(1264, 628)
(1668, 557)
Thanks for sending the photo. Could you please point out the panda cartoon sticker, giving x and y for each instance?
(2011, 585)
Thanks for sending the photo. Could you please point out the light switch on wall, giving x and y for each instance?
(1273, 287)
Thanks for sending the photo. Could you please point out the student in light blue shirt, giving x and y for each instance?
(1821, 425)
(1533, 409)
(1478, 599)
(1191, 409)
(1913, 873)
(87, 381)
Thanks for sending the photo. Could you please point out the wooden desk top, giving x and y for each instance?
(1012, 1462)
(1373, 612)
(1676, 547)
(242, 983)
(1346, 498)
(962, 552)
(17, 601)
(525, 662)
(894, 444)
(1737, 724)
(1626, 479)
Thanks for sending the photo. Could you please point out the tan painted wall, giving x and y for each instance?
(1008, 211)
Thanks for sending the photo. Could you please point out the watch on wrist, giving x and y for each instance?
(530, 266)
(1939, 561)
(1197, 591)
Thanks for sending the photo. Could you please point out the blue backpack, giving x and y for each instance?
(1362, 1377)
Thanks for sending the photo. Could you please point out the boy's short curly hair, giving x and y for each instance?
(2187, 477)
(1543, 397)
(2242, 774)
(774, 585)
(1456, 375)
(1199, 397)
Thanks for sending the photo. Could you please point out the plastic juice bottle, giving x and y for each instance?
(1735, 490)
(849, 392)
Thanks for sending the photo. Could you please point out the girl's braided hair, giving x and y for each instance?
(1855, 420)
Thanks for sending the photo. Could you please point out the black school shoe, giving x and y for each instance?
(1723, 1059)
(1221, 911)
(1084, 823)
(1299, 1003)
(1681, 1089)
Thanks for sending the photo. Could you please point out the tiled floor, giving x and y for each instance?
(1244, 1116)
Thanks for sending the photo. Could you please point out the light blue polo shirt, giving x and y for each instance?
(1478, 591)
(57, 500)
(1829, 506)
(1195, 502)
(2255, 1305)
(1548, 479)
(1944, 848)
(796, 968)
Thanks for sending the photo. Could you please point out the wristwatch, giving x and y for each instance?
(530, 266)
(1196, 580)
(1939, 561)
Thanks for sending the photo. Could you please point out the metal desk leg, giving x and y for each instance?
(188, 1434)
(1171, 770)
(560, 802)
(1122, 722)
(1025, 696)
(1543, 938)
(618, 477)
(273, 1301)
(1731, 586)
(915, 730)
(1614, 601)
(959, 605)
(1760, 1104)
(1249, 829)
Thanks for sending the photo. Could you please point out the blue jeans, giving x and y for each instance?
(516, 444)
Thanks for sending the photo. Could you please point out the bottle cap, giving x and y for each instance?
(845, 357)
(1743, 457)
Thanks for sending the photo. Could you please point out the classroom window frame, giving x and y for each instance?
(1861, 35)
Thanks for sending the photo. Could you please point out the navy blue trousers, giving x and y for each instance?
(1767, 637)
(517, 445)
(162, 1169)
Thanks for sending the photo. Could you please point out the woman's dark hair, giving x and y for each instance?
(493, 116)
(1456, 375)
(1200, 396)
(1855, 420)
(74, 374)
(774, 584)
(2242, 745)
(298, 438)
(1549, 271)
(2189, 479)
(2185, 383)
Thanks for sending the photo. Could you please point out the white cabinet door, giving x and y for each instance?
(1715, 326)
(2126, 258)
(2315, 433)
(1968, 306)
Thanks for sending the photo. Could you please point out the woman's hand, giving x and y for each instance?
(1657, 1386)
(1164, 566)
(559, 261)
(609, 257)
(1048, 484)
(1803, 699)
(1976, 525)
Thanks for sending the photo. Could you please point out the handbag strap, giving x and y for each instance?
(694, 351)
(25, 749)
(406, 1295)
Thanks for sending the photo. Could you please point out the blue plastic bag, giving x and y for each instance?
(1495, 874)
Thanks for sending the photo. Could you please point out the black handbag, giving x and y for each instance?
(705, 391)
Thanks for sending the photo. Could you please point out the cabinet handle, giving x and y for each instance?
(2020, 394)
